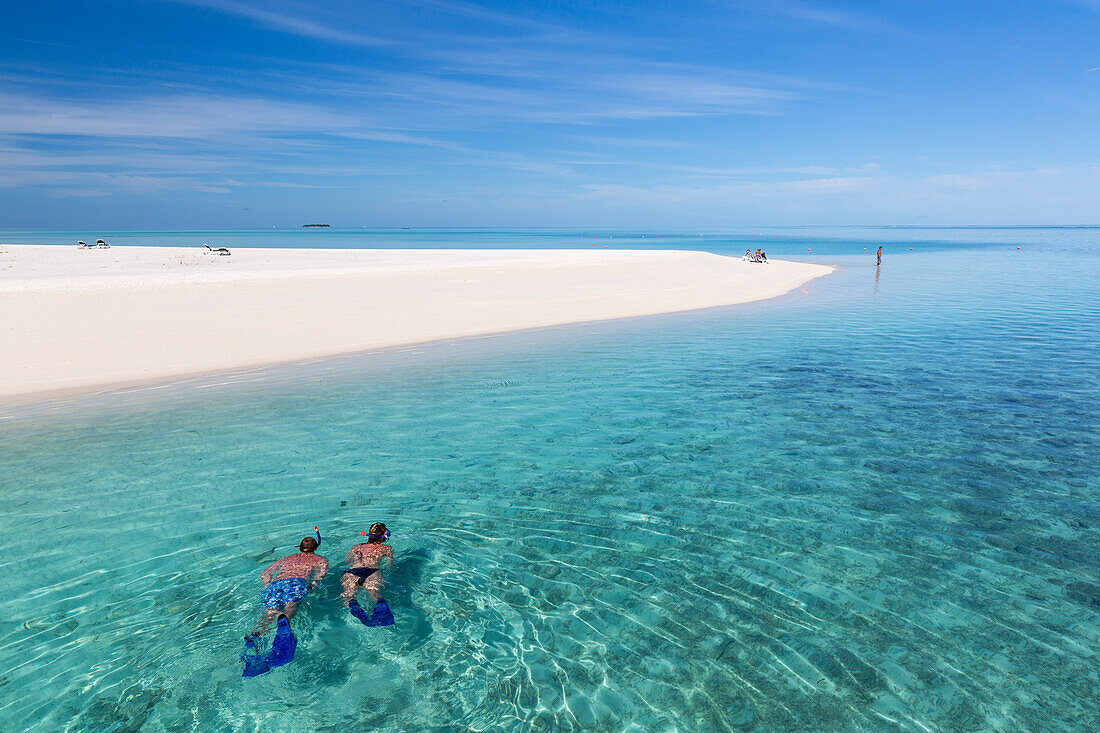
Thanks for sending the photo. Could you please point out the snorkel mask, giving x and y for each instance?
(302, 545)
(384, 536)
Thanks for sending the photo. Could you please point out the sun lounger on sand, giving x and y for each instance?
(220, 251)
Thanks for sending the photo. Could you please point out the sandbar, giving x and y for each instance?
(83, 320)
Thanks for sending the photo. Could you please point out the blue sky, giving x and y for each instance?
(254, 113)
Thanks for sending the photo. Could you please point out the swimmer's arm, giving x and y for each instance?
(389, 554)
(322, 569)
(270, 572)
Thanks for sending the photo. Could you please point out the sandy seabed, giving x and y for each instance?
(75, 320)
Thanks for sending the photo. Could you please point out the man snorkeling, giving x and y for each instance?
(286, 583)
(365, 571)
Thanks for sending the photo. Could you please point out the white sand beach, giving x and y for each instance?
(77, 320)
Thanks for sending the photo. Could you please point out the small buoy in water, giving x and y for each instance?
(910, 249)
(864, 249)
(807, 249)
(1017, 248)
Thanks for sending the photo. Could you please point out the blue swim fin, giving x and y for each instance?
(358, 612)
(381, 615)
(282, 649)
(254, 664)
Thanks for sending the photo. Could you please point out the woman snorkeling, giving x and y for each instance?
(365, 571)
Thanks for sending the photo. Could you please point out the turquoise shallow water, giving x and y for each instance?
(872, 505)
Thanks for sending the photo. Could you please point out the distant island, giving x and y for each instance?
(306, 226)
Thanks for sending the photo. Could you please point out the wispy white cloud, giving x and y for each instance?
(738, 191)
(403, 138)
(139, 159)
(815, 13)
(295, 19)
(147, 168)
(477, 12)
(818, 13)
(74, 181)
(183, 116)
(189, 141)
(980, 181)
(973, 196)
(734, 172)
(651, 91)
(628, 142)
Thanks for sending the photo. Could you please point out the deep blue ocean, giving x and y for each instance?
(872, 504)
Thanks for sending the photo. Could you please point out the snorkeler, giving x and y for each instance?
(365, 571)
(287, 581)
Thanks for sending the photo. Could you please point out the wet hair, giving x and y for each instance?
(377, 533)
(308, 544)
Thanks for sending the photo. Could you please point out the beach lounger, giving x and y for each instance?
(100, 244)
(220, 251)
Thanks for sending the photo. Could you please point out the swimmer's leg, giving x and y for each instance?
(289, 610)
(351, 587)
(269, 615)
(373, 584)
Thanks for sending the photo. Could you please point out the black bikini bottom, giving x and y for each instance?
(361, 573)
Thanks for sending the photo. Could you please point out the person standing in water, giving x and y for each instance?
(365, 571)
(879, 256)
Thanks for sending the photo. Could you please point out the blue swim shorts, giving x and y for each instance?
(278, 593)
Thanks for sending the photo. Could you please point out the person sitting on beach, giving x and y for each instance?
(763, 257)
(365, 571)
(748, 254)
(287, 581)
